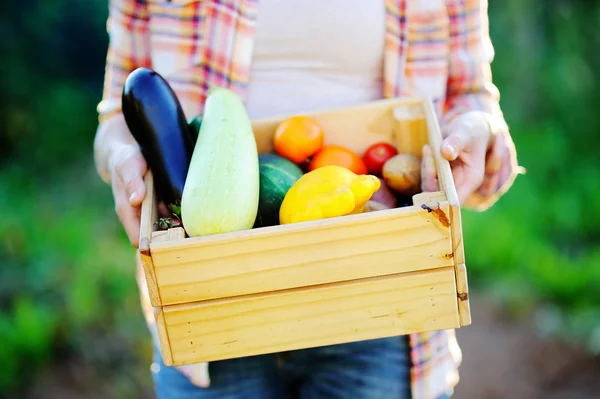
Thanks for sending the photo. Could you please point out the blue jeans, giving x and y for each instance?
(373, 369)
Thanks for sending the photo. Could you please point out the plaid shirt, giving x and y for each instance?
(437, 48)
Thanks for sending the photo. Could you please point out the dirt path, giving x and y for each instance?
(504, 359)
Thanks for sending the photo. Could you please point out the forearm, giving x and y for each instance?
(128, 49)
(470, 88)
(111, 141)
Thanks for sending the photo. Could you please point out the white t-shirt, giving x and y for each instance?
(307, 55)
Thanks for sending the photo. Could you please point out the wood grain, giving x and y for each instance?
(446, 180)
(148, 217)
(313, 316)
(163, 337)
(444, 171)
(391, 241)
(176, 233)
(410, 129)
(457, 236)
(428, 197)
(462, 289)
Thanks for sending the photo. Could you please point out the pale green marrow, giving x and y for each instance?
(221, 190)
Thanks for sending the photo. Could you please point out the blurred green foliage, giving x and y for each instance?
(67, 288)
(67, 283)
(538, 247)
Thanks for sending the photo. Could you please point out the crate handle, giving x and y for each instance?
(148, 215)
(444, 171)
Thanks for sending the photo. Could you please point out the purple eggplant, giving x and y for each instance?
(157, 122)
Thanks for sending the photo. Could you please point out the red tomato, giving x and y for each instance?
(376, 155)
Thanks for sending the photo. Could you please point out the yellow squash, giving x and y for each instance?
(326, 192)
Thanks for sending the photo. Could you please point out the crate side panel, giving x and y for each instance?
(411, 129)
(163, 337)
(148, 217)
(444, 171)
(313, 316)
(462, 289)
(385, 245)
(457, 235)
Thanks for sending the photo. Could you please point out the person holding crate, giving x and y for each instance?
(287, 57)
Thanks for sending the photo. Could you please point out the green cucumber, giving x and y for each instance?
(194, 125)
(221, 190)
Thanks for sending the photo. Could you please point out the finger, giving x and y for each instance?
(457, 141)
(493, 165)
(494, 159)
(131, 171)
(129, 216)
(467, 180)
(429, 181)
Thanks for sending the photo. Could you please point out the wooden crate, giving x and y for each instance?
(350, 278)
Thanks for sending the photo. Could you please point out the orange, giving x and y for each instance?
(340, 156)
(297, 138)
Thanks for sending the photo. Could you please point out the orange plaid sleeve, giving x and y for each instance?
(470, 88)
(128, 49)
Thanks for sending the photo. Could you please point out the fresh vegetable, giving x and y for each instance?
(372, 206)
(194, 124)
(339, 156)
(166, 223)
(402, 173)
(384, 195)
(297, 138)
(376, 155)
(156, 120)
(222, 187)
(327, 192)
(277, 175)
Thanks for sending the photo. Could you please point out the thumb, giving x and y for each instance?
(464, 131)
(460, 137)
(131, 171)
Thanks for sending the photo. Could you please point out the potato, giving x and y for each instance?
(373, 206)
(384, 195)
(402, 173)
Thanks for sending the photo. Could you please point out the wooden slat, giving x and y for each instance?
(462, 291)
(446, 180)
(314, 316)
(444, 171)
(148, 264)
(153, 291)
(148, 215)
(456, 235)
(410, 130)
(356, 127)
(261, 260)
(147, 218)
(427, 197)
(148, 268)
(160, 236)
(176, 233)
(163, 336)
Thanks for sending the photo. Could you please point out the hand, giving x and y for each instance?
(465, 146)
(127, 170)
